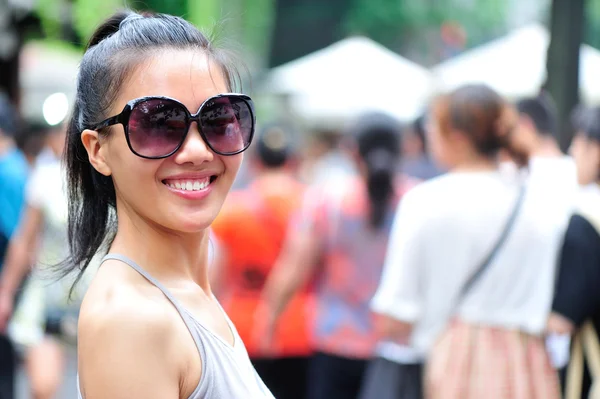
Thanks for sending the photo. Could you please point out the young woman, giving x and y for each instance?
(340, 242)
(483, 339)
(154, 144)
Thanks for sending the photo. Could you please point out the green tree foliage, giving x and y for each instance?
(49, 14)
(257, 25)
(88, 14)
(173, 7)
(409, 23)
(591, 32)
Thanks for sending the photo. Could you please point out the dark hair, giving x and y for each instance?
(273, 146)
(32, 138)
(121, 43)
(378, 140)
(476, 111)
(586, 120)
(8, 118)
(542, 112)
(417, 128)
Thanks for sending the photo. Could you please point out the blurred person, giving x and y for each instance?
(153, 146)
(250, 231)
(416, 160)
(538, 124)
(325, 159)
(577, 297)
(538, 127)
(43, 303)
(470, 269)
(339, 240)
(32, 142)
(13, 178)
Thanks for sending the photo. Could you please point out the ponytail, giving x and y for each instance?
(378, 139)
(380, 184)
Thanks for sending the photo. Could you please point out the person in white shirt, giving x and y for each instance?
(446, 228)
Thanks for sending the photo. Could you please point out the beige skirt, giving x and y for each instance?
(474, 362)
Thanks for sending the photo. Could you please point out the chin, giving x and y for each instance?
(192, 223)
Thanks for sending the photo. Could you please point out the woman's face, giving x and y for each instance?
(587, 158)
(143, 186)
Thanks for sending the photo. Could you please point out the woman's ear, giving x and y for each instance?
(96, 151)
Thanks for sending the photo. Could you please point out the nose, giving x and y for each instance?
(194, 149)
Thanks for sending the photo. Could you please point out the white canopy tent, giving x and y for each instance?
(337, 83)
(515, 66)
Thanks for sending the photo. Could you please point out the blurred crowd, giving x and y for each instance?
(457, 256)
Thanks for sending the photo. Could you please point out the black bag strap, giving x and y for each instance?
(499, 243)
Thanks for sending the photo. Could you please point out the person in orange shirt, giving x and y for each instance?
(250, 232)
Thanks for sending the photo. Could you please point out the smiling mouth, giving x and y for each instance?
(190, 184)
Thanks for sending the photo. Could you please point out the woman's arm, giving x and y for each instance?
(295, 266)
(397, 302)
(293, 269)
(19, 258)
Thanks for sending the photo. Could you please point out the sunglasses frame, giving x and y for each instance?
(123, 119)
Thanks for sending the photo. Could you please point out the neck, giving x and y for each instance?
(547, 146)
(476, 163)
(168, 256)
(6, 144)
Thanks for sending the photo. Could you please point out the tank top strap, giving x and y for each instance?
(187, 319)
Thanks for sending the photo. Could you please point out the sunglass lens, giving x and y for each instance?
(227, 124)
(157, 127)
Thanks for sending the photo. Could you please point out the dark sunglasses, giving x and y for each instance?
(156, 127)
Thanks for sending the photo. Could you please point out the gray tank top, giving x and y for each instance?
(226, 370)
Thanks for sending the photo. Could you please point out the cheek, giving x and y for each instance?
(132, 175)
(232, 165)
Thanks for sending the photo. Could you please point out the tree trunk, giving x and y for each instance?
(9, 53)
(303, 26)
(566, 30)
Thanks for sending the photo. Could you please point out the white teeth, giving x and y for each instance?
(189, 185)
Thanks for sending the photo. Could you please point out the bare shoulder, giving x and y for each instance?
(125, 340)
(121, 310)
